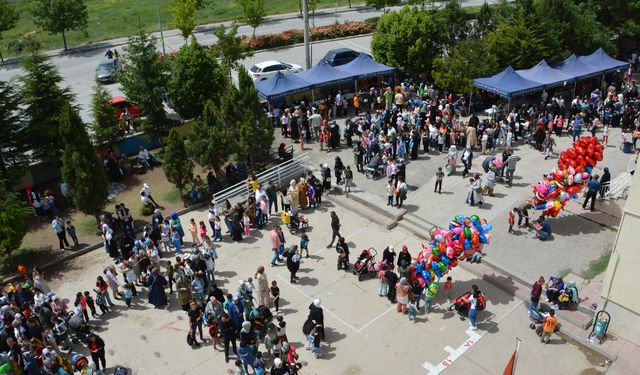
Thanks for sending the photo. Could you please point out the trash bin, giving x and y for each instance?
(627, 148)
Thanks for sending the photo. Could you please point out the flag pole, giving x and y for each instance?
(515, 361)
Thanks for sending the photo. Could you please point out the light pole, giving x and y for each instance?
(160, 23)
(305, 17)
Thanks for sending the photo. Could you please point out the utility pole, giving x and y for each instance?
(160, 22)
(307, 49)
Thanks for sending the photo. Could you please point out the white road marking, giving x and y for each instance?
(454, 354)
(355, 46)
(376, 318)
(324, 309)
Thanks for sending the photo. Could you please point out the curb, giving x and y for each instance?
(201, 29)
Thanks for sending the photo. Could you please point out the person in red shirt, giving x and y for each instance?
(96, 347)
(536, 292)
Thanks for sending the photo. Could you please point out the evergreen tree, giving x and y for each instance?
(177, 166)
(143, 81)
(8, 19)
(60, 16)
(195, 78)
(210, 140)
(256, 131)
(468, 60)
(13, 159)
(184, 17)
(105, 127)
(230, 49)
(81, 169)
(43, 100)
(13, 216)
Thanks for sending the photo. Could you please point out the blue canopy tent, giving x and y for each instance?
(323, 75)
(574, 67)
(545, 74)
(281, 85)
(364, 66)
(600, 60)
(507, 83)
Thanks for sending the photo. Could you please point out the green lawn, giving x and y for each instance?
(115, 18)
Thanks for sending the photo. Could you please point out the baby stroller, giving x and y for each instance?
(296, 221)
(372, 167)
(460, 305)
(78, 328)
(365, 264)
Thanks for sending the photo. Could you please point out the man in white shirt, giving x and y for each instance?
(145, 195)
(144, 157)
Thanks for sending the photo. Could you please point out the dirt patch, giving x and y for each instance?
(42, 239)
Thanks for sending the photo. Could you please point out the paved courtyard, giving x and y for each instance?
(364, 332)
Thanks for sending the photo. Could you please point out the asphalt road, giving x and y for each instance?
(78, 68)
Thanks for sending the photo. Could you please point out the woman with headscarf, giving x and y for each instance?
(476, 190)
(236, 223)
(605, 181)
(40, 283)
(315, 318)
(302, 193)
(404, 258)
(402, 295)
(262, 291)
(294, 195)
(452, 159)
(157, 283)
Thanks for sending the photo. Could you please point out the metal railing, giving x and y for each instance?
(281, 174)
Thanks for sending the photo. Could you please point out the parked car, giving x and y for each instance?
(341, 56)
(107, 69)
(268, 69)
(122, 104)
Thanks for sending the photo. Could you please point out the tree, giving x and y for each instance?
(621, 16)
(177, 166)
(408, 40)
(452, 21)
(143, 81)
(27, 44)
(8, 19)
(105, 128)
(43, 100)
(184, 17)
(253, 13)
(81, 169)
(60, 16)
(195, 78)
(519, 43)
(230, 49)
(486, 20)
(210, 141)
(571, 28)
(255, 129)
(13, 216)
(12, 152)
(468, 60)
(382, 4)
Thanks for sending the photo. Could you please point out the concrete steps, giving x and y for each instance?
(416, 225)
(377, 204)
(365, 210)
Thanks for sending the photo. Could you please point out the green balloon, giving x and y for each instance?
(5, 369)
(435, 251)
(467, 232)
(432, 290)
(474, 218)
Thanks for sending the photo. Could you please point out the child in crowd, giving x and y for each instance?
(259, 364)
(193, 229)
(281, 329)
(246, 222)
(175, 239)
(511, 218)
(203, 230)
(239, 368)
(304, 242)
(383, 288)
(448, 285)
(80, 300)
(128, 294)
(605, 135)
(316, 340)
(90, 303)
(413, 310)
(270, 342)
(72, 232)
(275, 294)
(212, 322)
(390, 189)
(100, 301)
(217, 228)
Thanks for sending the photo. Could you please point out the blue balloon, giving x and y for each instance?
(541, 207)
(589, 169)
(445, 259)
(426, 275)
(574, 196)
(436, 269)
(483, 238)
(467, 244)
(455, 236)
(420, 267)
(486, 228)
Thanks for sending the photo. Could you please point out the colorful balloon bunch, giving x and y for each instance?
(465, 237)
(574, 168)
